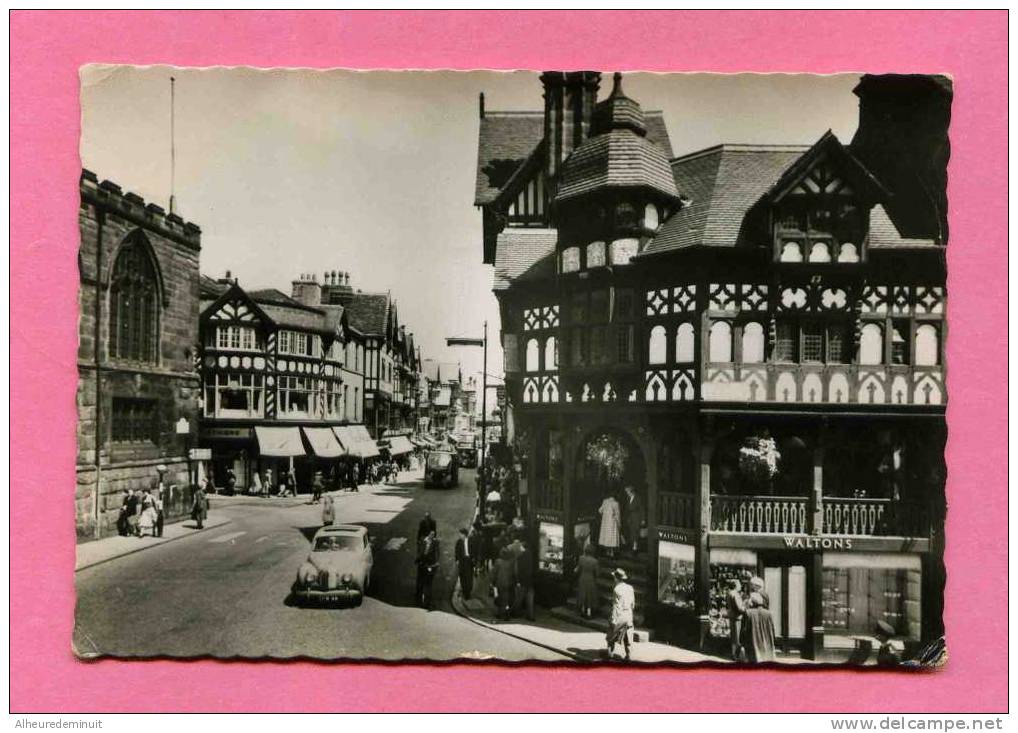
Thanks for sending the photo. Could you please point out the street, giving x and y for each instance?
(225, 591)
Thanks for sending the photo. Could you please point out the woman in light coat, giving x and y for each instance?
(611, 525)
(328, 511)
(586, 590)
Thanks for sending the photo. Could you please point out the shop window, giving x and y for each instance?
(927, 345)
(571, 259)
(752, 343)
(551, 353)
(595, 254)
(238, 395)
(676, 577)
(899, 344)
(134, 305)
(820, 252)
(812, 343)
(550, 547)
(871, 345)
(533, 353)
(658, 348)
(860, 589)
(791, 252)
(784, 342)
(721, 342)
(650, 217)
(134, 420)
(726, 565)
(848, 253)
(684, 343)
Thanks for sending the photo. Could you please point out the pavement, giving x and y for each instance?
(225, 591)
(110, 548)
(577, 642)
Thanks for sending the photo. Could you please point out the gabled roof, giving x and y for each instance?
(721, 184)
(828, 147)
(524, 254)
(885, 235)
(367, 312)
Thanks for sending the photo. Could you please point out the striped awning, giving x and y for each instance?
(279, 442)
(400, 444)
(356, 441)
(323, 442)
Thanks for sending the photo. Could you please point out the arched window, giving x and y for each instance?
(684, 343)
(791, 252)
(658, 348)
(134, 304)
(848, 253)
(721, 342)
(551, 353)
(752, 343)
(650, 219)
(820, 252)
(533, 352)
(927, 345)
(871, 344)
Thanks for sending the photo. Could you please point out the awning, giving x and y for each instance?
(323, 442)
(356, 441)
(279, 442)
(399, 445)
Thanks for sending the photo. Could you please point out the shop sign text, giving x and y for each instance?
(818, 543)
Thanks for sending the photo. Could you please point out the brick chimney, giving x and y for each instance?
(902, 139)
(569, 99)
(307, 290)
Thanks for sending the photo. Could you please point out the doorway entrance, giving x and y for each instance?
(784, 579)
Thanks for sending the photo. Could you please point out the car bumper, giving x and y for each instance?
(334, 595)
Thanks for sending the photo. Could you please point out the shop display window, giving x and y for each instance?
(860, 589)
(726, 565)
(676, 576)
(550, 547)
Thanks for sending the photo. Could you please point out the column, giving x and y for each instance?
(703, 452)
(815, 568)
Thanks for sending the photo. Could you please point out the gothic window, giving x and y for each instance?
(784, 342)
(791, 252)
(752, 343)
(721, 342)
(871, 345)
(899, 344)
(533, 352)
(551, 353)
(134, 420)
(927, 345)
(658, 348)
(684, 338)
(848, 253)
(820, 252)
(134, 305)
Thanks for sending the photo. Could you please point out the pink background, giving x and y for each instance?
(48, 47)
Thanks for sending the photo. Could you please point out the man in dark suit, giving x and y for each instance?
(632, 513)
(525, 581)
(427, 566)
(426, 526)
(465, 563)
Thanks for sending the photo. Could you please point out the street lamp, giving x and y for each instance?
(483, 343)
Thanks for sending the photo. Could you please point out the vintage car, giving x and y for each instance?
(468, 454)
(442, 468)
(338, 567)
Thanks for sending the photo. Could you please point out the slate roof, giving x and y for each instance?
(722, 184)
(523, 254)
(210, 289)
(283, 315)
(506, 140)
(884, 234)
(367, 312)
(617, 159)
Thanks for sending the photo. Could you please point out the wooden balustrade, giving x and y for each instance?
(759, 514)
(873, 517)
(676, 510)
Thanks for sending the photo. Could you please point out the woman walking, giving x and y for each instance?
(586, 591)
(758, 624)
(147, 519)
(328, 512)
(611, 520)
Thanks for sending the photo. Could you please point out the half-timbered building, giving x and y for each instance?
(752, 336)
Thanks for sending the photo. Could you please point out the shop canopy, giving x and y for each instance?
(323, 442)
(279, 442)
(400, 444)
(356, 441)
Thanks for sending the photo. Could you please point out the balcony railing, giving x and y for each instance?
(839, 516)
(676, 510)
(759, 514)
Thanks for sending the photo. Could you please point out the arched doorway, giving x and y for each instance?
(608, 460)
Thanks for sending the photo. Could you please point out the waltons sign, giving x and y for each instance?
(818, 543)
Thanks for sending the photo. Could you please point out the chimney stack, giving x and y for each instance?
(306, 290)
(569, 99)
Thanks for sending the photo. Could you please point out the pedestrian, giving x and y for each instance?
(231, 482)
(160, 516)
(633, 514)
(503, 583)
(133, 508)
(621, 620)
(291, 483)
(355, 477)
(199, 507)
(886, 655)
(256, 483)
(736, 606)
(465, 563)
(586, 587)
(328, 512)
(477, 549)
(525, 581)
(268, 482)
(122, 527)
(758, 626)
(608, 537)
(147, 518)
(427, 566)
(317, 486)
(493, 502)
(427, 525)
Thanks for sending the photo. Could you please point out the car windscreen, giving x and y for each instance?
(439, 460)
(338, 543)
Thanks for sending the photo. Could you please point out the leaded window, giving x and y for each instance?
(134, 420)
(134, 305)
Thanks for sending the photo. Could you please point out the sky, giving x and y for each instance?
(301, 171)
